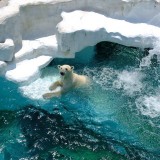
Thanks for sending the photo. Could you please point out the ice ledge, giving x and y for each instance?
(27, 70)
(76, 31)
(6, 50)
(2, 67)
(34, 55)
(80, 29)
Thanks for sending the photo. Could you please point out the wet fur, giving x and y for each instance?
(67, 82)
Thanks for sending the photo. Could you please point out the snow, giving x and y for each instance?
(27, 70)
(80, 29)
(6, 50)
(32, 27)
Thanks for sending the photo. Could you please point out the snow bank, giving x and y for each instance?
(80, 29)
(29, 24)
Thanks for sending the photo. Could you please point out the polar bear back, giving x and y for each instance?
(80, 80)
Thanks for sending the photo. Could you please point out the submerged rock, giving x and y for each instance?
(6, 118)
(44, 130)
(49, 135)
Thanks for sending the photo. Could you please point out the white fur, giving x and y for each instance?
(68, 81)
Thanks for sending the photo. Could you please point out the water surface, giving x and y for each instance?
(116, 117)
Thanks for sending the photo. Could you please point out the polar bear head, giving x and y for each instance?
(65, 70)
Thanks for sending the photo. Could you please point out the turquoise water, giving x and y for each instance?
(116, 117)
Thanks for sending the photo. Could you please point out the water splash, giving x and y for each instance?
(108, 78)
(121, 102)
(129, 81)
(154, 55)
(149, 105)
(103, 76)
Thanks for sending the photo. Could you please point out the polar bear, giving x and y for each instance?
(68, 81)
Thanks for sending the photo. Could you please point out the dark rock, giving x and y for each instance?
(6, 118)
(44, 132)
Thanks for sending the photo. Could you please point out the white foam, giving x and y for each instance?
(36, 89)
(129, 81)
(146, 61)
(149, 105)
(103, 76)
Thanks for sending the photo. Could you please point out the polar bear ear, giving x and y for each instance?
(72, 67)
(59, 66)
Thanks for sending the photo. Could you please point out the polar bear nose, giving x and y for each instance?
(62, 73)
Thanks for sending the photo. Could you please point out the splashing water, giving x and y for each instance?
(149, 105)
(154, 54)
(119, 112)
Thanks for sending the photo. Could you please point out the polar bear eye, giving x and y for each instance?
(66, 69)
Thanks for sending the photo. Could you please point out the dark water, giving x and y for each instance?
(117, 117)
